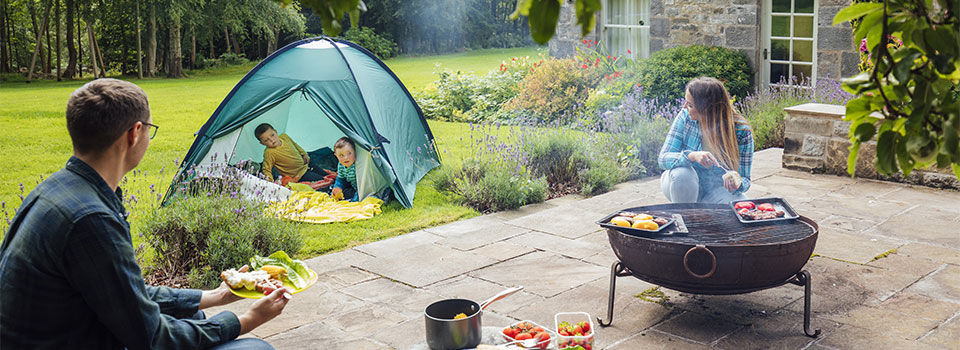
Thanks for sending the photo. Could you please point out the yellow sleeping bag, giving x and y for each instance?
(320, 208)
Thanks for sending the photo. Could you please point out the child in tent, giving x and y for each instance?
(346, 170)
(291, 161)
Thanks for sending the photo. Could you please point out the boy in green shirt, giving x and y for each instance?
(282, 152)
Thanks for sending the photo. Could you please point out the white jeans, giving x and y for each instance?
(682, 185)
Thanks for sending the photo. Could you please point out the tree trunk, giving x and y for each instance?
(236, 44)
(226, 38)
(79, 40)
(93, 51)
(193, 49)
(175, 56)
(38, 43)
(152, 41)
(213, 53)
(57, 4)
(99, 55)
(71, 50)
(48, 63)
(139, 45)
(43, 29)
(4, 38)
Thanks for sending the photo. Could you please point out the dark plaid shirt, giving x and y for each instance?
(69, 278)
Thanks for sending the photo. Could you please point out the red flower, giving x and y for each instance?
(598, 60)
(585, 41)
(608, 57)
(628, 51)
(531, 69)
(584, 66)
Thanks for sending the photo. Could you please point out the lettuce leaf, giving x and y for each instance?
(297, 272)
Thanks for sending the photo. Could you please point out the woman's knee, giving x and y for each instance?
(683, 175)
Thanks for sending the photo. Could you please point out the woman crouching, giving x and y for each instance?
(708, 153)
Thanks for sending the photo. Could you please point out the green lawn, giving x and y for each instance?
(35, 142)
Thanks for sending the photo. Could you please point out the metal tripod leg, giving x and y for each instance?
(803, 279)
(616, 269)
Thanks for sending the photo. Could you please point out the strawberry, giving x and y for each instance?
(585, 326)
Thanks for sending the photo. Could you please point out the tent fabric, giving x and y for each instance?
(317, 90)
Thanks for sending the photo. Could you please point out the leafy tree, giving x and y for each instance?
(910, 99)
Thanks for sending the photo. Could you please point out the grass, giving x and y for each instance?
(35, 142)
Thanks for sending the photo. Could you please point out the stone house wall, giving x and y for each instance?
(732, 24)
(816, 139)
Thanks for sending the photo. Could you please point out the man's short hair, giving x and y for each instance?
(342, 142)
(262, 128)
(102, 110)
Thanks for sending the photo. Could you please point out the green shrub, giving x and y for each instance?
(225, 59)
(572, 161)
(602, 175)
(380, 45)
(203, 235)
(463, 97)
(638, 127)
(491, 186)
(665, 73)
(555, 89)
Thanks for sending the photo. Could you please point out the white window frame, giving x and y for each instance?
(768, 36)
(642, 48)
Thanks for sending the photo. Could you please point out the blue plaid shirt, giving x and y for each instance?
(69, 278)
(684, 137)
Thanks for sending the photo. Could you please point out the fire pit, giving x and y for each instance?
(719, 254)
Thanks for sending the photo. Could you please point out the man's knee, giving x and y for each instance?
(244, 344)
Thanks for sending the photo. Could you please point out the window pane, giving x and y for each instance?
(803, 50)
(777, 72)
(780, 49)
(780, 26)
(802, 72)
(804, 6)
(782, 6)
(803, 26)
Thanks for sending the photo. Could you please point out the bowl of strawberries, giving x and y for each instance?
(574, 330)
(524, 330)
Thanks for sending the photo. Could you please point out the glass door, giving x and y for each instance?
(789, 52)
(626, 27)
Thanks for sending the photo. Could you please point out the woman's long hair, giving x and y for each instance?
(718, 119)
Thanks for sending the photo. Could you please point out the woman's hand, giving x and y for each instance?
(732, 181)
(704, 158)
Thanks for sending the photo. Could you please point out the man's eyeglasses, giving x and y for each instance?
(152, 133)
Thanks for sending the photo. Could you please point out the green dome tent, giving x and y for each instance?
(318, 90)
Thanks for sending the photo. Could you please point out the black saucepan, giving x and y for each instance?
(446, 333)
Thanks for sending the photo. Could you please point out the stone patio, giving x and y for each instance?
(886, 274)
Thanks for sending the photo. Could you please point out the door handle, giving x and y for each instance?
(764, 53)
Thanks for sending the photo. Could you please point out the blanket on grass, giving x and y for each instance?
(320, 208)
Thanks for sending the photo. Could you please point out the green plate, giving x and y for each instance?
(254, 294)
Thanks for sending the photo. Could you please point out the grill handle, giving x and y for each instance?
(713, 262)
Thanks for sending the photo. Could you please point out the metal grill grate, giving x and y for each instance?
(718, 225)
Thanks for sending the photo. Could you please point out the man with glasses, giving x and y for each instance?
(68, 275)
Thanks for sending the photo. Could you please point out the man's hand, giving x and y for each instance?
(306, 159)
(263, 310)
(704, 158)
(221, 295)
(732, 181)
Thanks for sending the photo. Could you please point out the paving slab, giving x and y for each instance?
(396, 296)
(367, 319)
(425, 264)
(867, 189)
(837, 244)
(939, 198)
(336, 260)
(903, 263)
(398, 243)
(891, 323)
(565, 221)
(472, 288)
(541, 273)
(924, 224)
(876, 210)
(631, 315)
(742, 309)
(850, 337)
(657, 340)
(921, 306)
(502, 251)
(525, 210)
(482, 236)
(946, 335)
(931, 252)
(776, 330)
(576, 249)
(837, 221)
(697, 327)
(319, 335)
(345, 276)
(792, 190)
(306, 308)
(943, 284)
(464, 226)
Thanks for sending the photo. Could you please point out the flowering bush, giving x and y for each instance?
(555, 89)
(638, 127)
(491, 186)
